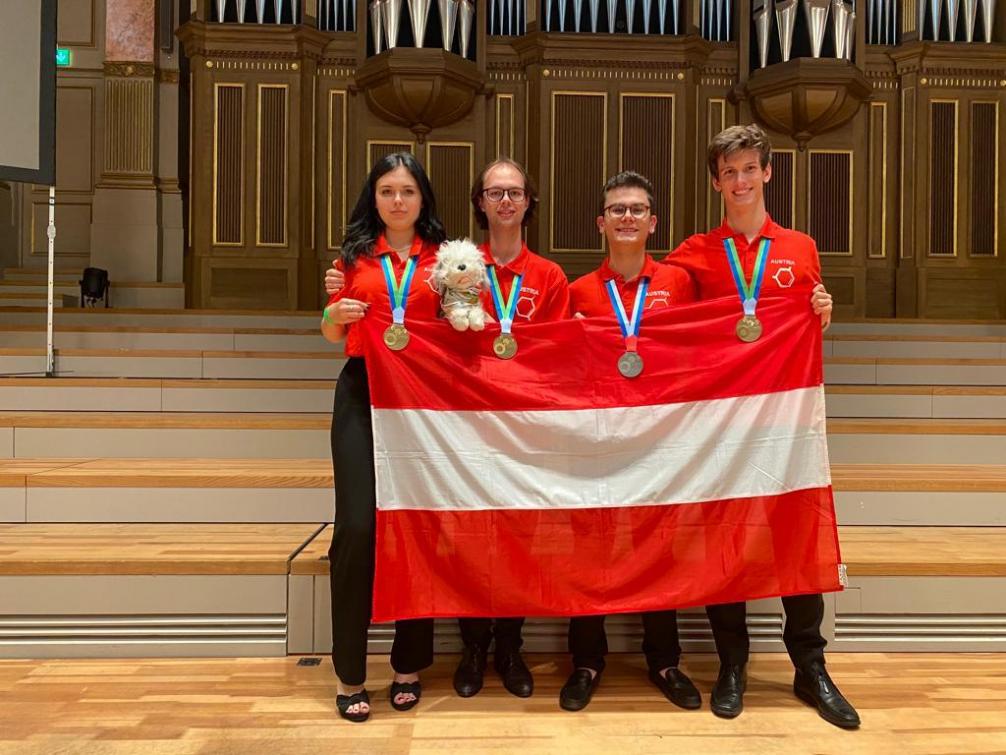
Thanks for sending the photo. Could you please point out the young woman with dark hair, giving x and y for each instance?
(390, 244)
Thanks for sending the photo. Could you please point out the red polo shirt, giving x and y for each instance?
(544, 292)
(365, 282)
(588, 295)
(792, 261)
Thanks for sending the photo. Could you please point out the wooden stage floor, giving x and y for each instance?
(910, 703)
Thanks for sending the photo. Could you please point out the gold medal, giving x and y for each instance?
(749, 328)
(396, 337)
(630, 364)
(505, 346)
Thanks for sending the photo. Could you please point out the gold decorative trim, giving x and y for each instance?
(470, 146)
(963, 82)
(929, 183)
(852, 204)
(216, 164)
(128, 68)
(332, 94)
(551, 162)
(671, 137)
(509, 97)
(253, 65)
(614, 74)
(286, 166)
(883, 180)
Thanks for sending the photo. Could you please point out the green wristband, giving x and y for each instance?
(326, 318)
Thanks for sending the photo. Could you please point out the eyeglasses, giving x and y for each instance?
(496, 195)
(638, 211)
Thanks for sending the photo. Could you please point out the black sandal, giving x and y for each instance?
(345, 702)
(406, 688)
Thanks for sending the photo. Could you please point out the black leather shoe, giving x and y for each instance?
(578, 689)
(815, 687)
(677, 688)
(515, 674)
(468, 675)
(727, 699)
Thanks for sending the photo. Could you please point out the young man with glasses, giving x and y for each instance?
(626, 222)
(504, 199)
(739, 161)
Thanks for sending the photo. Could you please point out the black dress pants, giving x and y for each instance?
(480, 632)
(802, 634)
(351, 555)
(588, 642)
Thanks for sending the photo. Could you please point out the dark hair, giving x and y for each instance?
(365, 224)
(480, 183)
(630, 179)
(738, 139)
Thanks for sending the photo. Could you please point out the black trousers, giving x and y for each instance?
(479, 633)
(351, 555)
(802, 633)
(588, 642)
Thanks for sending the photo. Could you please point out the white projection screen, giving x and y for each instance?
(28, 90)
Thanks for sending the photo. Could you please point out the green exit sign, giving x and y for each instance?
(63, 57)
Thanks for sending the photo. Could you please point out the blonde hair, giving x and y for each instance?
(737, 139)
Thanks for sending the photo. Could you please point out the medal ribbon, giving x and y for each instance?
(504, 314)
(749, 292)
(398, 291)
(630, 328)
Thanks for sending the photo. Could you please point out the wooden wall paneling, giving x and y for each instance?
(943, 177)
(907, 175)
(378, 148)
(830, 201)
(877, 195)
(336, 184)
(78, 119)
(129, 126)
(451, 168)
(578, 168)
(984, 190)
(505, 139)
(271, 165)
(76, 23)
(228, 164)
(646, 139)
(716, 121)
(780, 191)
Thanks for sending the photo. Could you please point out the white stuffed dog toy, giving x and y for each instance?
(459, 275)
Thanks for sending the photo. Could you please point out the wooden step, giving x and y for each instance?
(163, 363)
(167, 435)
(154, 395)
(904, 371)
(918, 327)
(150, 549)
(866, 551)
(172, 318)
(120, 337)
(924, 551)
(927, 347)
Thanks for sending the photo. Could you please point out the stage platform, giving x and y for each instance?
(937, 704)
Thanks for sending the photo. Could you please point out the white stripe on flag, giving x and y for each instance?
(766, 444)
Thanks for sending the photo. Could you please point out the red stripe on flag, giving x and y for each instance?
(581, 562)
(691, 353)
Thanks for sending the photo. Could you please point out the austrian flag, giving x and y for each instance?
(550, 485)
